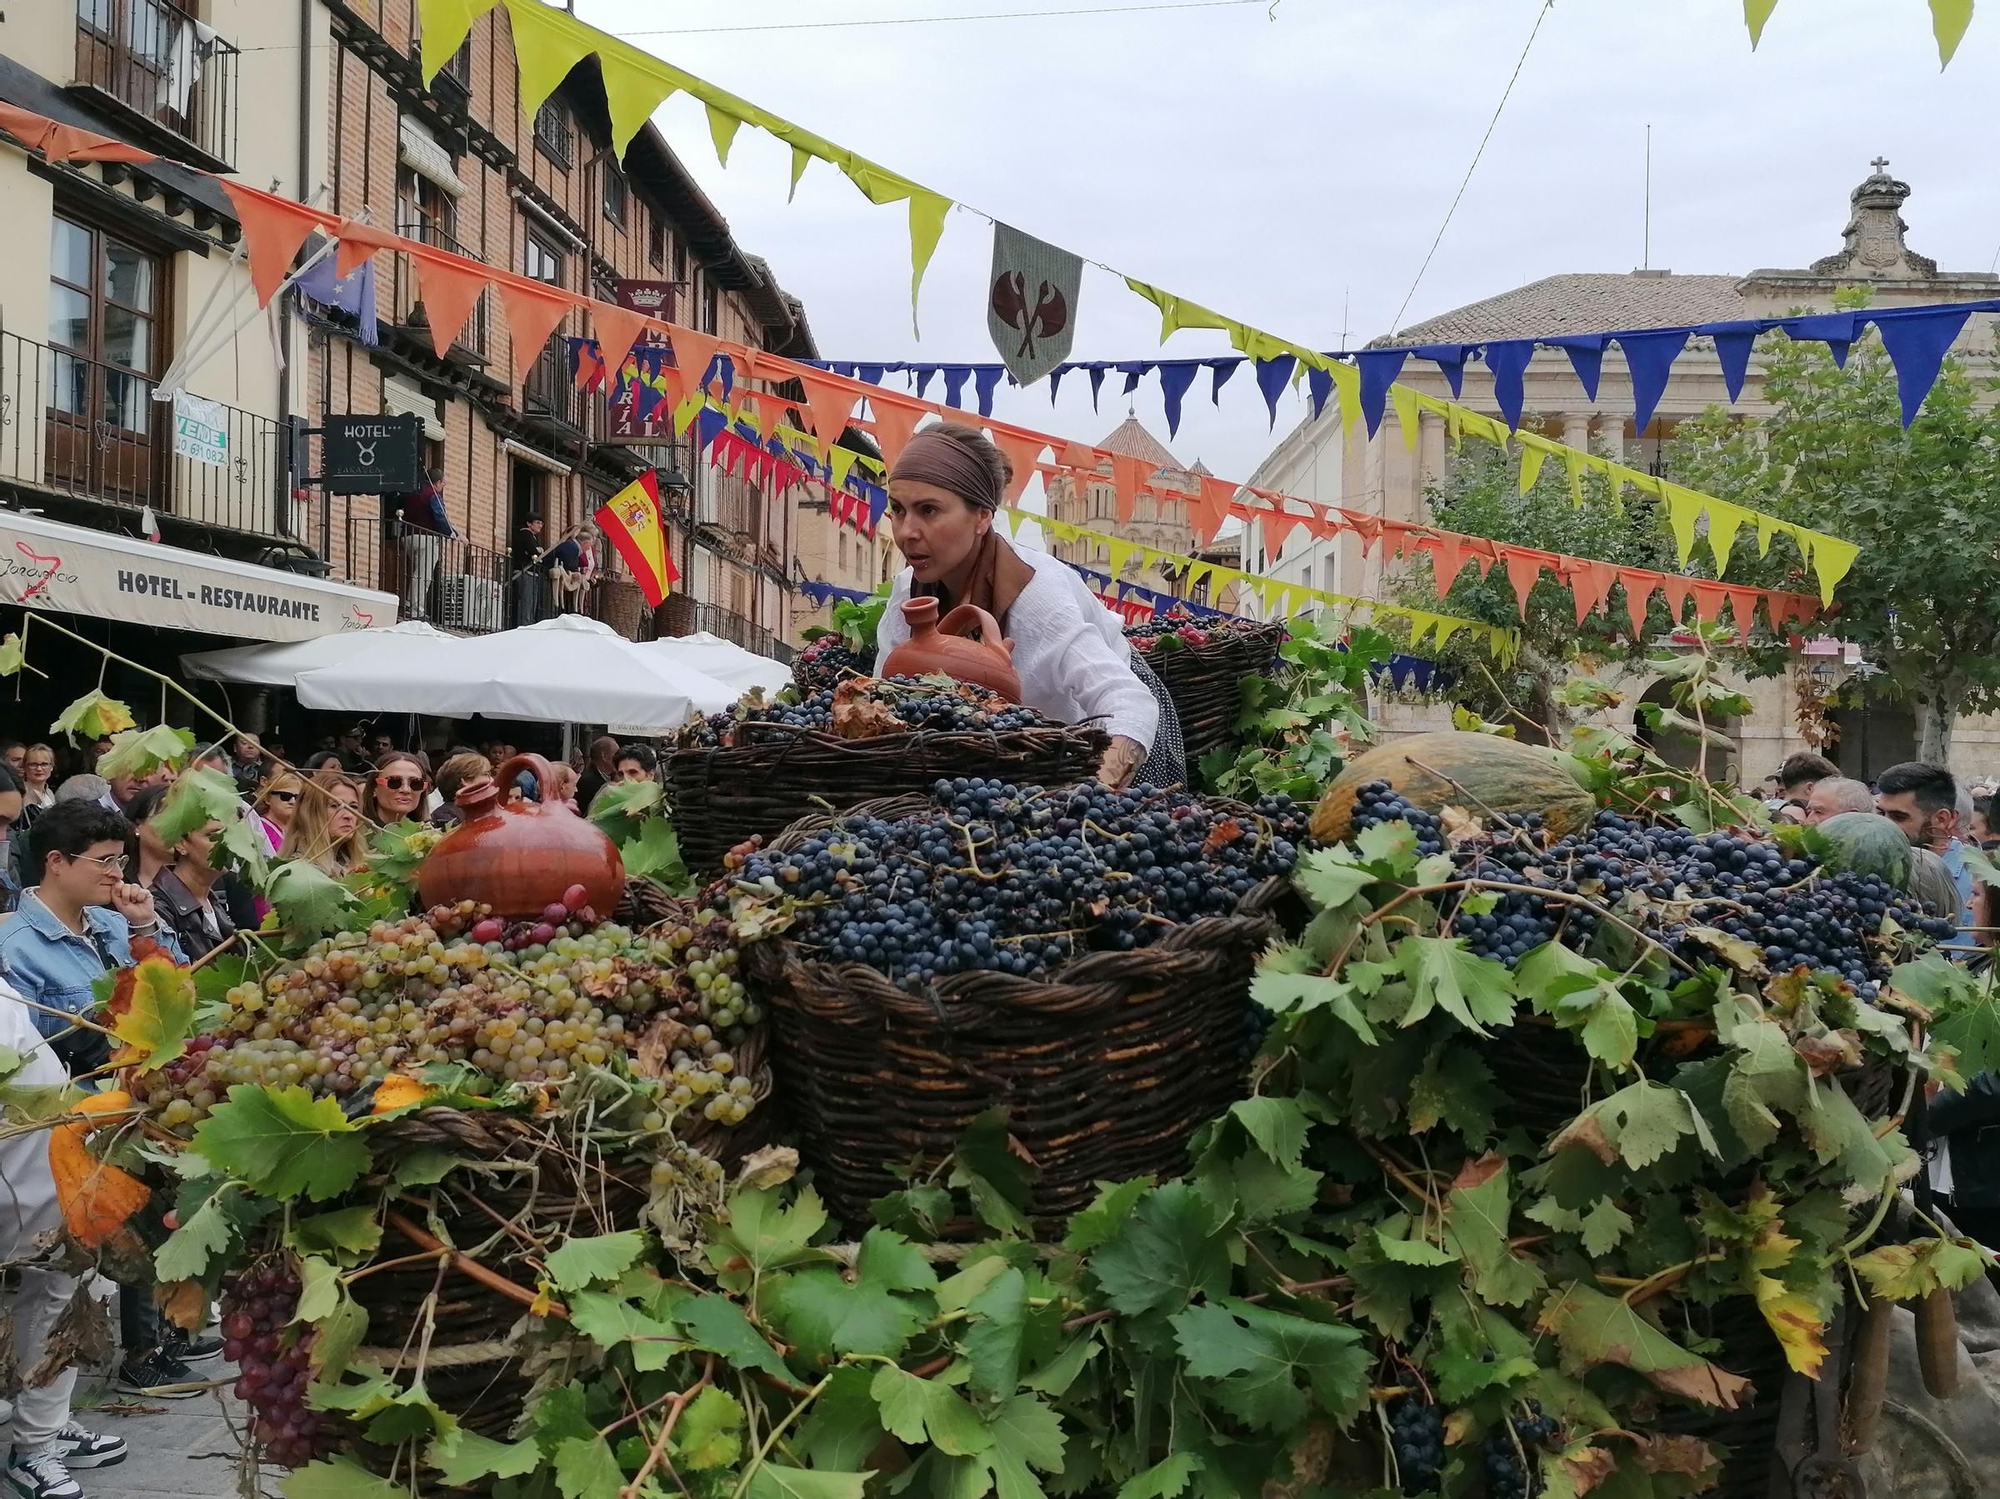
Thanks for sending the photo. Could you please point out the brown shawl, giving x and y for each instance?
(996, 579)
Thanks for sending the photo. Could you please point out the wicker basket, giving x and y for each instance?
(1106, 1072)
(1206, 683)
(721, 797)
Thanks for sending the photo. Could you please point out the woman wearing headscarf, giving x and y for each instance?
(1074, 663)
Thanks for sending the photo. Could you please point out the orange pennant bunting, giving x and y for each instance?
(273, 230)
(533, 312)
(617, 329)
(1079, 455)
(1708, 601)
(1675, 589)
(1743, 608)
(1128, 474)
(358, 244)
(895, 422)
(695, 353)
(829, 405)
(1638, 588)
(1023, 453)
(1211, 508)
(450, 291)
(1447, 561)
(1524, 567)
(71, 144)
(1590, 584)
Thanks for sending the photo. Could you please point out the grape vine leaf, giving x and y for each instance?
(916, 1410)
(992, 1341)
(352, 1230)
(584, 1262)
(197, 798)
(462, 1456)
(762, 1234)
(1167, 1253)
(1026, 1435)
(1965, 1009)
(1399, 1238)
(1164, 1480)
(586, 1469)
(1059, 1373)
(655, 855)
(284, 1142)
(1444, 974)
(93, 716)
(1286, 983)
(819, 1312)
(623, 808)
(989, 1164)
(140, 752)
(152, 1011)
(1797, 1323)
(204, 1233)
(1638, 1124)
(1329, 877)
(1455, 1088)
(777, 1481)
(711, 1431)
(340, 1478)
(1838, 1131)
(715, 1324)
(1567, 987)
(1389, 848)
(612, 1322)
(843, 1427)
(962, 1289)
(1259, 1357)
(1278, 1125)
(1592, 1328)
(1476, 1216)
(1113, 1204)
(13, 655)
(1904, 1272)
(306, 897)
(1478, 1349)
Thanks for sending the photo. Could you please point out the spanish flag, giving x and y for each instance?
(637, 526)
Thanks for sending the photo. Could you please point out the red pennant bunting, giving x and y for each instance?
(358, 244)
(1023, 453)
(449, 291)
(1128, 474)
(273, 230)
(1638, 588)
(895, 423)
(1523, 568)
(533, 311)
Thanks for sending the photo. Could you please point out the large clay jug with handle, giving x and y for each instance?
(945, 645)
(519, 857)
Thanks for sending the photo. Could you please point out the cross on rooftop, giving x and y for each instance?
(1880, 163)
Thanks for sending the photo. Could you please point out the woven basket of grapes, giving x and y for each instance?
(1081, 958)
(1202, 664)
(756, 770)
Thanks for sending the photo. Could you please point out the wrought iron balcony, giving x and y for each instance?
(160, 66)
(408, 300)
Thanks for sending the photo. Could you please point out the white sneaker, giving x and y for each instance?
(88, 1449)
(42, 1475)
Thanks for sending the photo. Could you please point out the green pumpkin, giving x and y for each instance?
(1868, 843)
(1479, 773)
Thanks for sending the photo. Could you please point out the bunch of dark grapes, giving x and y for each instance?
(1666, 881)
(1416, 1428)
(273, 1362)
(877, 705)
(826, 663)
(1376, 802)
(1188, 629)
(1016, 880)
(1506, 1477)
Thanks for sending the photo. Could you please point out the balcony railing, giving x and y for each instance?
(153, 58)
(733, 627)
(409, 304)
(550, 390)
(80, 427)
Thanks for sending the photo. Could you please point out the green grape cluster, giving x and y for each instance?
(410, 993)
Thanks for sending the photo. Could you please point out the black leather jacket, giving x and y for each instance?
(1971, 1122)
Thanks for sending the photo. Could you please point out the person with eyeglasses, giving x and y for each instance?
(278, 804)
(76, 923)
(396, 789)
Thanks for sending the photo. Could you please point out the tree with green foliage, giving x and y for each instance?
(1923, 599)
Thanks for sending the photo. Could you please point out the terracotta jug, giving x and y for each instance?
(519, 857)
(943, 645)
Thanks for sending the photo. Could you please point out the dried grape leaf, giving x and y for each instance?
(1592, 1328)
(152, 1011)
(93, 716)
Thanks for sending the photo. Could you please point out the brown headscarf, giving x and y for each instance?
(960, 460)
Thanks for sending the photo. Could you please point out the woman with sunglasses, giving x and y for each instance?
(396, 790)
(278, 804)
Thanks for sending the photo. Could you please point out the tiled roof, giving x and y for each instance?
(1584, 303)
(1134, 441)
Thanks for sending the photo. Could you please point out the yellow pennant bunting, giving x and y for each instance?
(547, 45)
(1755, 14)
(1176, 313)
(1532, 458)
(1573, 462)
(1723, 523)
(1949, 19)
(1408, 413)
(1831, 560)
(1347, 384)
(927, 211)
(1683, 512)
(446, 25)
(722, 127)
(799, 160)
(840, 462)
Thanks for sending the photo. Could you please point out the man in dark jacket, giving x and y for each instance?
(1968, 1126)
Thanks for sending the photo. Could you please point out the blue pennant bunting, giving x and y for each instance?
(1319, 385)
(1916, 344)
(1223, 369)
(872, 373)
(1175, 378)
(925, 373)
(985, 378)
(708, 425)
(1509, 362)
(1096, 384)
(1450, 360)
(955, 376)
(1650, 359)
(1379, 369)
(1837, 330)
(1055, 380)
(1271, 377)
(1586, 357)
(1732, 350)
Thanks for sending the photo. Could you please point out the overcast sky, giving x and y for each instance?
(1278, 169)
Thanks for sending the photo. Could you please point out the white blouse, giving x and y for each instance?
(1071, 652)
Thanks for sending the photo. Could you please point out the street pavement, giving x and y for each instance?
(176, 1447)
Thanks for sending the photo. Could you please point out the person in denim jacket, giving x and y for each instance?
(75, 924)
